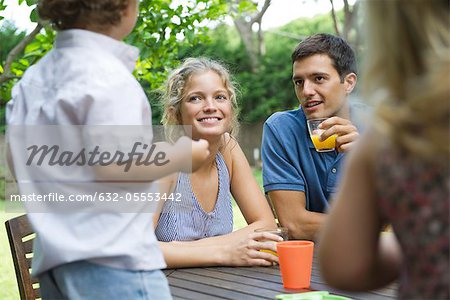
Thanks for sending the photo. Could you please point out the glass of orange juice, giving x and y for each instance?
(314, 132)
(280, 231)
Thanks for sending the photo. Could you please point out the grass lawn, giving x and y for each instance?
(239, 220)
(8, 285)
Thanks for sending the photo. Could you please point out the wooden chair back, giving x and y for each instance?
(21, 236)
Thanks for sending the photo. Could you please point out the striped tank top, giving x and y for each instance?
(185, 220)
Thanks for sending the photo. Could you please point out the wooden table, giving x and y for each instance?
(248, 283)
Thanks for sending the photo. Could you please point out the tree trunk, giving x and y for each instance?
(253, 42)
(349, 23)
(333, 16)
(245, 31)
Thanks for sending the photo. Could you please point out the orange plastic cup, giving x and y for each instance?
(295, 258)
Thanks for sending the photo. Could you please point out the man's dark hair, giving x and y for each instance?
(336, 48)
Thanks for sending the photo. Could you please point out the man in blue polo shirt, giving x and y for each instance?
(298, 179)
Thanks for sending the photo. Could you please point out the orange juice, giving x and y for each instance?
(280, 231)
(269, 251)
(328, 144)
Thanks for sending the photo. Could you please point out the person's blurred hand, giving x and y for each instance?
(200, 152)
(194, 158)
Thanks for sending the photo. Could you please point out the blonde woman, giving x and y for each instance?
(197, 231)
(399, 173)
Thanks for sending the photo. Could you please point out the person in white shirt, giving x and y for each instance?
(84, 80)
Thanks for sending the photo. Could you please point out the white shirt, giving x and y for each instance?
(85, 80)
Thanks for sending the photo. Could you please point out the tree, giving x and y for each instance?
(348, 22)
(10, 36)
(245, 16)
(270, 89)
(166, 34)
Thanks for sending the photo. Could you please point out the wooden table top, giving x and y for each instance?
(242, 283)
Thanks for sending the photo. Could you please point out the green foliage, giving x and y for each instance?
(270, 89)
(160, 32)
(163, 29)
(10, 36)
(247, 6)
(2, 7)
(33, 52)
(166, 34)
(307, 26)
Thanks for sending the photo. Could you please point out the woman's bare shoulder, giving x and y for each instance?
(230, 150)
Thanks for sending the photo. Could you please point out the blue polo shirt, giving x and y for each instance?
(290, 161)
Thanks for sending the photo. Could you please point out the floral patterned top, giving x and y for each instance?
(414, 198)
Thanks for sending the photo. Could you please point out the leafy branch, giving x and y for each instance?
(15, 52)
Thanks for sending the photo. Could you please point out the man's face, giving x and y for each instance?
(319, 88)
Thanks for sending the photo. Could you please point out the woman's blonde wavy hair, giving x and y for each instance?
(407, 73)
(175, 92)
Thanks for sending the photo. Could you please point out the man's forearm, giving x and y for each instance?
(292, 213)
(305, 226)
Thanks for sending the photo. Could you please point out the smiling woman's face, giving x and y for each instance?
(206, 106)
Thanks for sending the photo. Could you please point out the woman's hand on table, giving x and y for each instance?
(246, 252)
